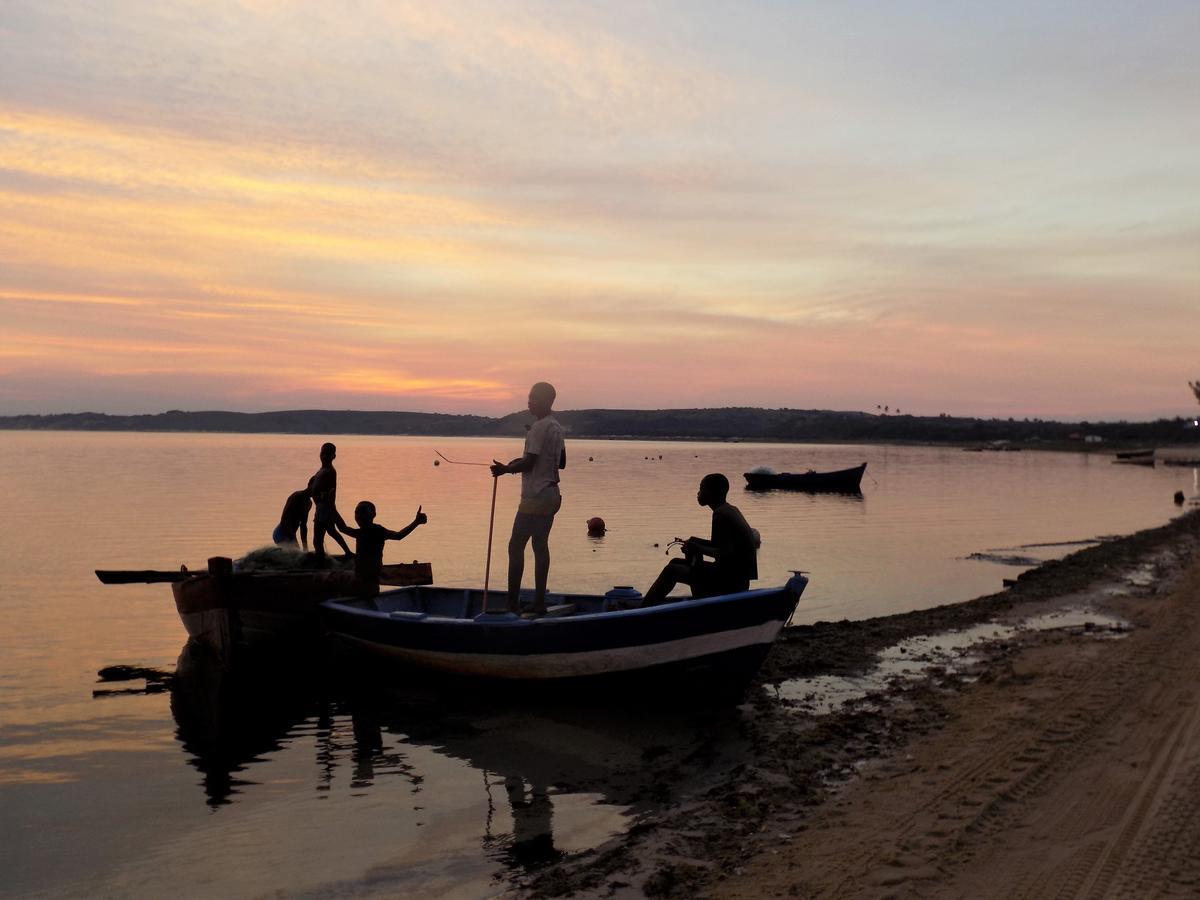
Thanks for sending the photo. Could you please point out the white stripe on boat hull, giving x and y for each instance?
(584, 663)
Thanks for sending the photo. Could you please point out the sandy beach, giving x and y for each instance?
(1043, 741)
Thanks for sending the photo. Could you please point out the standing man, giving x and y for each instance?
(545, 455)
(323, 489)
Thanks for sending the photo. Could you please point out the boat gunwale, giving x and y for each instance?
(503, 619)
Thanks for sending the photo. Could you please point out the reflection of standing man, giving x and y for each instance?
(545, 454)
(532, 815)
(323, 488)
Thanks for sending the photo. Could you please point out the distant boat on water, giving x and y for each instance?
(1135, 457)
(841, 481)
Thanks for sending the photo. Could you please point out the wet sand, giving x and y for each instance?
(1045, 741)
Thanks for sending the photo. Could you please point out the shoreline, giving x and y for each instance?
(793, 807)
(1185, 450)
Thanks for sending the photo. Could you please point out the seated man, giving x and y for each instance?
(733, 548)
(368, 560)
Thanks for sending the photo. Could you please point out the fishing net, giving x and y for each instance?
(273, 558)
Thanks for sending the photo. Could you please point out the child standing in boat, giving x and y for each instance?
(369, 540)
(322, 487)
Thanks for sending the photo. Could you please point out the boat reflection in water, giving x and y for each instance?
(226, 720)
(567, 775)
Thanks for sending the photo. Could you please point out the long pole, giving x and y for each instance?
(458, 462)
(487, 568)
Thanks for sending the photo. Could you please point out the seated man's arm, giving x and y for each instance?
(730, 535)
(695, 547)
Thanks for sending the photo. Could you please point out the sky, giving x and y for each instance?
(972, 208)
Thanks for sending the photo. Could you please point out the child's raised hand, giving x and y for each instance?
(420, 518)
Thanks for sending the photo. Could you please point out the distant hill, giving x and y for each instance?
(727, 423)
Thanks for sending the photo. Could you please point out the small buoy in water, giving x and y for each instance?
(437, 462)
(595, 527)
(589, 459)
(660, 456)
(1179, 498)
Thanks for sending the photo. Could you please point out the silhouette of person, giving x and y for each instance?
(323, 489)
(532, 817)
(733, 547)
(545, 454)
(369, 540)
(293, 518)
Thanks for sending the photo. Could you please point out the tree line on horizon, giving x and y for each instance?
(727, 423)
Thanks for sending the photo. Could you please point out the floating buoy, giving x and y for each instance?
(1179, 498)
(437, 462)
(595, 527)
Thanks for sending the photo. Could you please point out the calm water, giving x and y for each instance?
(311, 787)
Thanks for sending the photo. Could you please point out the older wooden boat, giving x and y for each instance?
(582, 638)
(254, 609)
(842, 481)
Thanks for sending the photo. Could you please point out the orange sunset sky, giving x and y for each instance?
(973, 208)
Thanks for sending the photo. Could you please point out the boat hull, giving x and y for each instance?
(252, 610)
(843, 481)
(726, 636)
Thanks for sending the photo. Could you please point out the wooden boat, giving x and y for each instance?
(843, 481)
(582, 639)
(226, 611)
(254, 609)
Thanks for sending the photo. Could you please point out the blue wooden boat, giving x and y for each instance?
(582, 638)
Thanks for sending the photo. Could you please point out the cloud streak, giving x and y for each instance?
(254, 204)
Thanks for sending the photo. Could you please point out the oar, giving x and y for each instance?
(487, 567)
(139, 576)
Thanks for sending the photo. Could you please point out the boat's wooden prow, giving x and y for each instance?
(140, 576)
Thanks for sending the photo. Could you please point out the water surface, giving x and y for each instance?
(312, 787)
